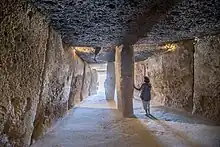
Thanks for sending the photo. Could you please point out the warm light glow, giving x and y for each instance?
(170, 47)
(84, 49)
(73, 52)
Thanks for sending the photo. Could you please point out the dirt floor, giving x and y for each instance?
(96, 123)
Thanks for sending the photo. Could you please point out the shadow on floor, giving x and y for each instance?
(187, 140)
(172, 115)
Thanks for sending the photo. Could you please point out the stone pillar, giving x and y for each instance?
(125, 79)
(110, 81)
(94, 82)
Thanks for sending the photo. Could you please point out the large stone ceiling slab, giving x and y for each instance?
(186, 20)
(101, 22)
(88, 54)
(107, 23)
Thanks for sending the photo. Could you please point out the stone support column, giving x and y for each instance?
(125, 79)
(110, 81)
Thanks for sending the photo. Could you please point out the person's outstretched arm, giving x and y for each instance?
(138, 88)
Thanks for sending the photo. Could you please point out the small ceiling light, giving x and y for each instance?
(85, 49)
(170, 47)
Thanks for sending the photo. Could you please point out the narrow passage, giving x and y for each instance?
(96, 123)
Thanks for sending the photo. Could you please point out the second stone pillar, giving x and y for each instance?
(110, 81)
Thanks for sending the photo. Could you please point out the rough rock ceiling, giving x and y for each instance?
(186, 20)
(100, 22)
(141, 51)
(88, 54)
(107, 23)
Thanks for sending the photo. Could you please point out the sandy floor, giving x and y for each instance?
(96, 123)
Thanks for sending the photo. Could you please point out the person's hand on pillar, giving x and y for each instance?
(134, 86)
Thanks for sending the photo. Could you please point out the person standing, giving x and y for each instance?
(145, 94)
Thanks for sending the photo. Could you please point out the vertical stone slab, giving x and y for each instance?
(94, 83)
(56, 86)
(22, 57)
(86, 82)
(177, 69)
(110, 81)
(125, 79)
(118, 76)
(77, 79)
(206, 97)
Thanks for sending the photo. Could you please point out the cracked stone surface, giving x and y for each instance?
(106, 23)
(88, 54)
(187, 20)
(93, 23)
(187, 78)
(171, 76)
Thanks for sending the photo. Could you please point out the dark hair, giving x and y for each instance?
(146, 79)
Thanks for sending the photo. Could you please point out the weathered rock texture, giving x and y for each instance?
(36, 75)
(178, 76)
(86, 82)
(187, 78)
(107, 23)
(23, 42)
(171, 76)
(124, 79)
(55, 90)
(110, 81)
(88, 54)
(94, 84)
(207, 77)
(76, 84)
(186, 20)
